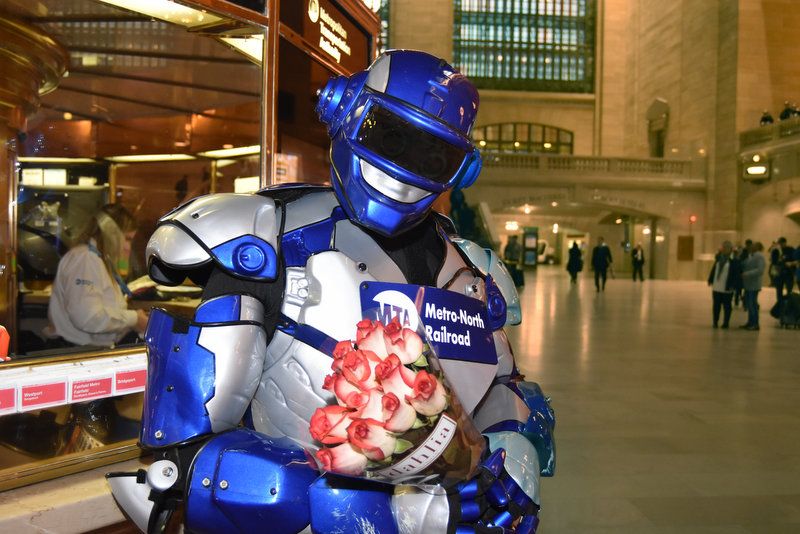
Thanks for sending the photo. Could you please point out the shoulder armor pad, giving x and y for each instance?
(240, 233)
(488, 263)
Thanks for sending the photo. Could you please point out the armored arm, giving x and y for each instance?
(514, 415)
(203, 373)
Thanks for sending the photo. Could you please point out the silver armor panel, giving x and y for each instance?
(310, 209)
(420, 510)
(291, 386)
(173, 246)
(239, 353)
(500, 405)
(242, 215)
(505, 356)
(290, 389)
(487, 261)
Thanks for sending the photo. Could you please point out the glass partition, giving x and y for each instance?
(155, 108)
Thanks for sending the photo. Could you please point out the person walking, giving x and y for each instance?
(601, 261)
(637, 258)
(574, 263)
(782, 275)
(725, 278)
(753, 269)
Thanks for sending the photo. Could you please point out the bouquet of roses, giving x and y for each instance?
(396, 418)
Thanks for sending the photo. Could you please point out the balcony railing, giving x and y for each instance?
(771, 132)
(591, 164)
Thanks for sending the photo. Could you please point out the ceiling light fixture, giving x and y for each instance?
(149, 158)
(167, 11)
(234, 152)
(251, 46)
(45, 159)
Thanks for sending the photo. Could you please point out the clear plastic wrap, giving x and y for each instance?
(395, 417)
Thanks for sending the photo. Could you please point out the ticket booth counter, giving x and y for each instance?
(147, 109)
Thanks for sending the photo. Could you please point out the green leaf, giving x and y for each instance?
(402, 445)
(422, 361)
(419, 423)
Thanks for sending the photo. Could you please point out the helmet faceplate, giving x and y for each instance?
(399, 138)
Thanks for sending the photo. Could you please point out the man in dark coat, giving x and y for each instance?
(637, 259)
(601, 261)
(725, 278)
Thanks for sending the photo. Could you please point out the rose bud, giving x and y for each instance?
(344, 459)
(341, 349)
(371, 338)
(356, 399)
(372, 408)
(373, 440)
(339, 352)
(393, 329)
(394, 377)
(428, 397)
(358, 367)
(406, 344)
(329, 424)
(398, 416)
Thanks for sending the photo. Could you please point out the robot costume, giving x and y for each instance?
(230, 393)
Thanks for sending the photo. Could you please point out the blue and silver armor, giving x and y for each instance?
(231, 393)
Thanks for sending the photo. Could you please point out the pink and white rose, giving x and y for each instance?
(428, 396)
(372, 438)
(346, 393)
(395, 378)
(344, 459)
(329, 424)
(398, 415)
(339, 352)
(372, 407)
(370, 337)
(405, 343)
(358, 367)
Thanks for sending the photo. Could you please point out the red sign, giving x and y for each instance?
(91, 388)
(40, 395)
(131, 380)
(8, 399)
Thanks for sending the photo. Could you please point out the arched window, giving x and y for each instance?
(535, 45)
(523, 137)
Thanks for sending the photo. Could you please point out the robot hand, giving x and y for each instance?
(492, 502)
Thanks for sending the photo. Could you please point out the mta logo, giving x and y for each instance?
(394, 304)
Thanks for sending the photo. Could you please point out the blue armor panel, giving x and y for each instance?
(244, 483)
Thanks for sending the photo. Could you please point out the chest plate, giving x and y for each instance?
(325, 296)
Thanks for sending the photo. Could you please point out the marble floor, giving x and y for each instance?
(664, 425)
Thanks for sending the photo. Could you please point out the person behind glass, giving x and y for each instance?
(725, 278)
(753, 267)
(601, 261)
(766, 118)
(574, 263)
(88, 304)
(637, 259)
(781, 273)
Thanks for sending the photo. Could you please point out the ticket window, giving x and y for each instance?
(148, 115)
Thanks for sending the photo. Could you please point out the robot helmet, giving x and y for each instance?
(399, 138)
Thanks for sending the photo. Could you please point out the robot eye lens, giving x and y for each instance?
(393, 143)
(434, 166)
(418, 151)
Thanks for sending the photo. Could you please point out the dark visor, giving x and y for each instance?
(409, 147)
